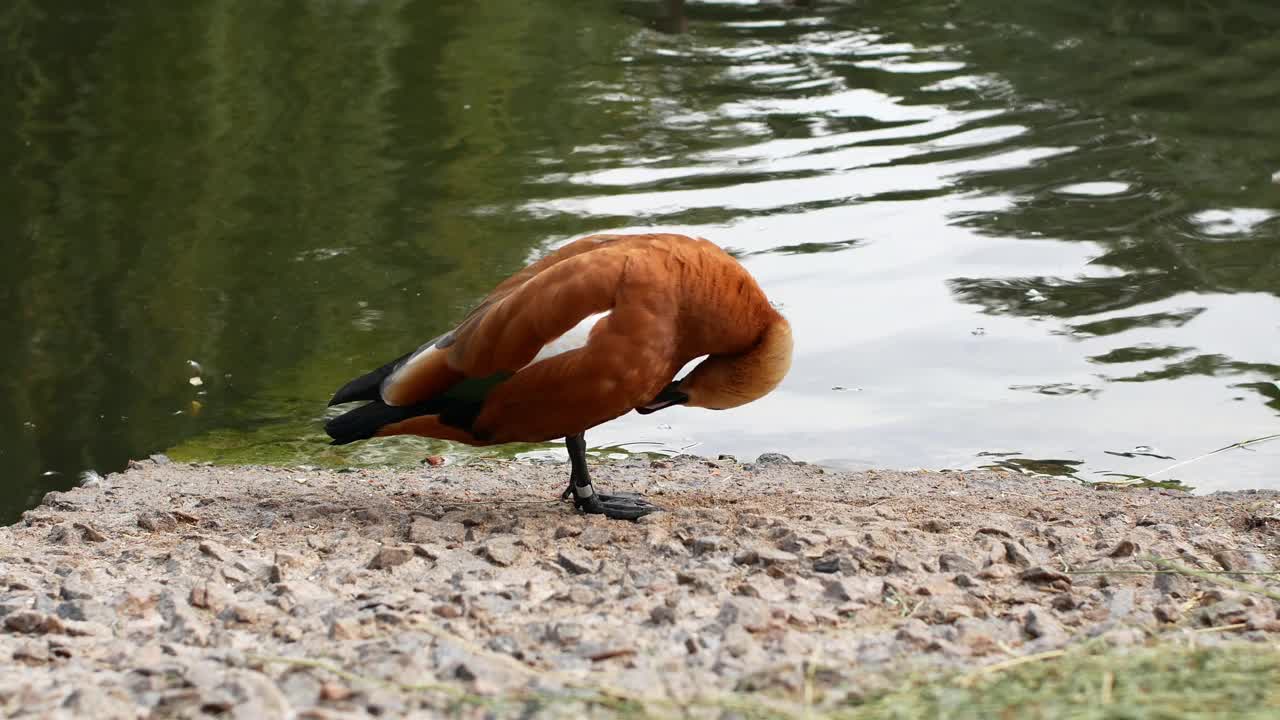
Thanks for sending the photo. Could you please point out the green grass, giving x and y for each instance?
(1164, 681)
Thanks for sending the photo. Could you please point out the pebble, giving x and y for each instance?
(662, 615)
(1124, 548)
(575, 561)
(1041, 624)
(502, 551)
(1173, 584)
(1120, 603)
(1041, 575)
(1241, 561)
(1017, 554)
(157, 521)
(594, 537)
(389, 557)
(708, 544)
(215, 550)
(952, 562)
(1167, 612)
(90, 533)
(764, 555)
(750, 613)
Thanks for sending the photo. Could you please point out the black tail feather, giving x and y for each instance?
(369, 385)
(365, 421)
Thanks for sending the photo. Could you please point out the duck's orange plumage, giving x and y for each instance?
(586, 334)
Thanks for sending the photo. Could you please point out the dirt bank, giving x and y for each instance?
(178, 591)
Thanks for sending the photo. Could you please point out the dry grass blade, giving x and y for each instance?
(1233, 446)
(1215, 578)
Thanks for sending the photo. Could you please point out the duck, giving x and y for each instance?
(586, 334)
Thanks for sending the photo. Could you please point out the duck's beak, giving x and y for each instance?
(669, 396)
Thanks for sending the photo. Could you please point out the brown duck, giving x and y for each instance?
(586, 334)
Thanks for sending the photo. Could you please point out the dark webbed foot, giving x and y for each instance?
(622, 506)
(617, 507)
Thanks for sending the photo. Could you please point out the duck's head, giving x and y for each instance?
(726, 381)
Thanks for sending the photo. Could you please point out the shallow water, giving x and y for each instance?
(1039, 235)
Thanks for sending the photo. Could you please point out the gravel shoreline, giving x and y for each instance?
(254, 592)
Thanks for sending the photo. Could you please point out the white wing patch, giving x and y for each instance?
(417, 358)
(575, 339)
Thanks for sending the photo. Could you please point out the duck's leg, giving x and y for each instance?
(585, 497)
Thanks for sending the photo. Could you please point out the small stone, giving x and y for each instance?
(1226, 612)
(581, 596)
(1173, 584)
(216, 550)
(31, 622)
(504, 644)
(447, 610)
(1124, 548)
(74, 588)
(334, 692)
(1120, 603)
(996, 572)
(915, 632)
(1041, 575)
(951, 562)
(905, 562)
(1261, 621)
(156, 521)
(86, 611)
(344, 629)
(738, 641)
(936, 525)
(1167, 612)
(90, 533)
(1017, 554)
(1042, 625)
(595, 536)
(1241, 561)
(426, 530)
(567, 531)
(576, 562)
(212, 596)
(1064, 602)
(748, 612)
(434, 460)
(389, 557)
(764, 555)
(32, 652)
(662, 615)
(708, 543)
(836, 590)
(429, 552)
(566, 633)
(245, 614)
(949, 614)
(502, 551)
(62, 534)
(774, 459)
(833, 562)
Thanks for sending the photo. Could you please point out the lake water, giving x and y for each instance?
(1039, 235)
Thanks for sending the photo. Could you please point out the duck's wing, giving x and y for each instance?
(517, 347)
(421, 373)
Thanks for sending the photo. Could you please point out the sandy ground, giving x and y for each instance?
(250, 592)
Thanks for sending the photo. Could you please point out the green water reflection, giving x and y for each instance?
(1041, 232)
